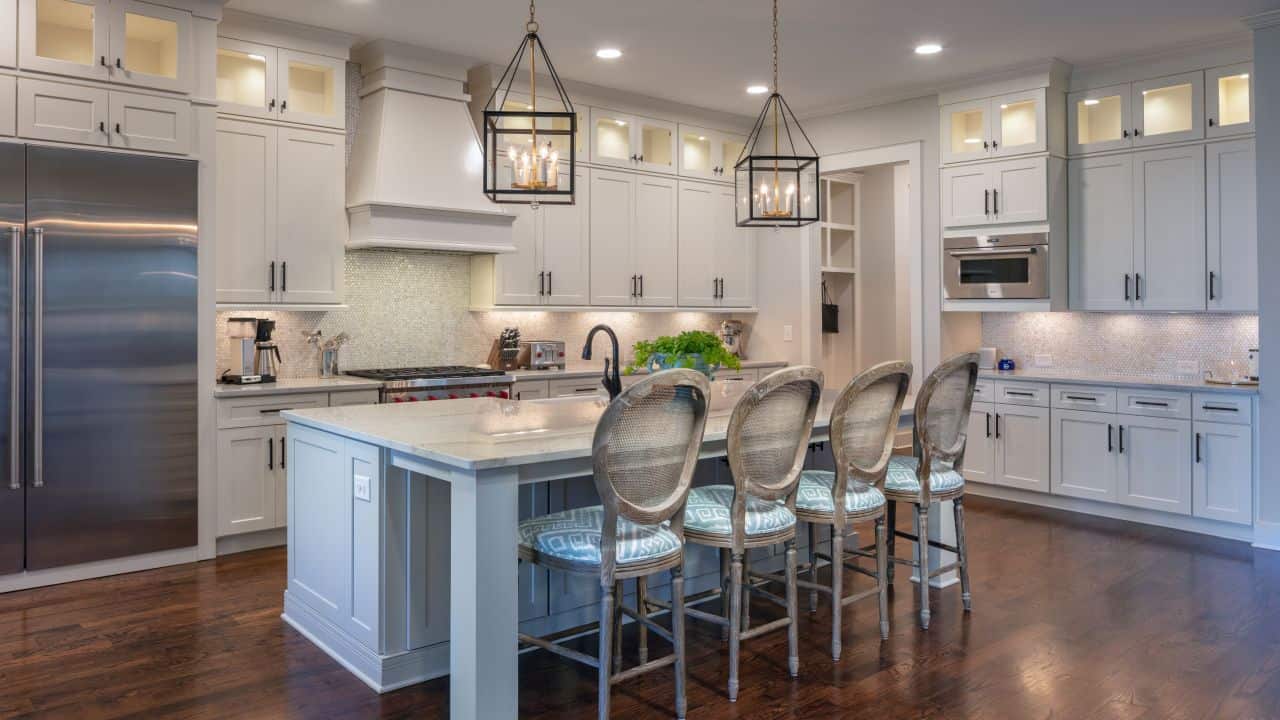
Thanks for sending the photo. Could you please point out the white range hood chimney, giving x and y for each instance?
(415, 176)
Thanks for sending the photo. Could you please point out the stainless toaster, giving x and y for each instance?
(541, 354)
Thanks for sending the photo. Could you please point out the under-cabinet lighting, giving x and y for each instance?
(928, 49)
(1091, 102)
(608, 53)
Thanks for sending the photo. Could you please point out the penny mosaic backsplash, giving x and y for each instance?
(1143, 345)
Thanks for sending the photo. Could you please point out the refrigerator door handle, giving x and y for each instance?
(37, 358)
(15, 359)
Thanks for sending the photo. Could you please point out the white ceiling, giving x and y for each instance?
(834, 52)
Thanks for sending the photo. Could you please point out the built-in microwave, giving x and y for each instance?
(996, 267)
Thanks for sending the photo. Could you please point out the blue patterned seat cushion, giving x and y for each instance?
(708, 513)
(902, 476)
(574, 535)
(814, 494)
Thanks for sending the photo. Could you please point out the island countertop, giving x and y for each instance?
(486, 433)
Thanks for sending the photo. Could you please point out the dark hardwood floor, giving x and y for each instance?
(1074, 617)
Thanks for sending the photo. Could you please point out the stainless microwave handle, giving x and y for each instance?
(993, 251)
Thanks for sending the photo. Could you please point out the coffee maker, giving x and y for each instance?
(255, 357)
(733, 333)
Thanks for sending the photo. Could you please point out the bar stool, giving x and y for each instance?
(768, 435)
(941, 423)
(864, 421)
(645, 448)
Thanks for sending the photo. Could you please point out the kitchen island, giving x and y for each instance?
(402, 532)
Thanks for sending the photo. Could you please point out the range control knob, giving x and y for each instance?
(504, 395)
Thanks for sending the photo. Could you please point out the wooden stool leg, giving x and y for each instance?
(813, 565)
(746, 594)
(642, 607)
(962, 556)
(724, 593)
(882, 560)
(793, 611)
(617, 626)
(735, 623)
(606, 650)
(677, 632)
(837, 589)
(892, 537)
(922, 550)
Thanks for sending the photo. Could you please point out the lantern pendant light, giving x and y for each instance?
(529, 153)
(776, 180)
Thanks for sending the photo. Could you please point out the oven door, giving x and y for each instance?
(997, 273)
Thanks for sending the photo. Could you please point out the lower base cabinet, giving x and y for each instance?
(1082, 449)
(1008, 445)
(1154, 464)
(1222, 472)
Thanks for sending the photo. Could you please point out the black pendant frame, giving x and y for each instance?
(782, 164)
(499, 124)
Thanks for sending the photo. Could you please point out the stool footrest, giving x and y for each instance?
(765, 628)
(629, 673)
(944, 568)
(850, 599)
(634, 615)
(550, 646)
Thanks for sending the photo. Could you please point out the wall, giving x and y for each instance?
(1121, 344)
(876, 265)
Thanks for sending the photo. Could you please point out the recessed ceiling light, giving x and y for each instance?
(1091, 101)
(757, 89)
(608, 53)
(928, 49)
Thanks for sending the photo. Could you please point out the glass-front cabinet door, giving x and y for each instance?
(965, 131)
(312, 88)
(611, 138)
(731, 147)
(1018, 123)
(1099, 119)
(246, 79)
(697, 147)
(150, 46)
(1168, 109)
(1229, 100)
(656, 142)
(67, 37)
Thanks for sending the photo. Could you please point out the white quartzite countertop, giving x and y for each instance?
(290, 386)
(582, 369)
(1154, 382)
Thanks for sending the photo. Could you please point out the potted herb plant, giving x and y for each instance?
(696, 349)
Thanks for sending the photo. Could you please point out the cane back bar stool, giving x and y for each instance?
(864, 421)
(645, 449)
(767, 439)
(941, 421)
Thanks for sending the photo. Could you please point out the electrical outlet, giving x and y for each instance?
(1188, 367)
(786, 333)
(1044, 360)
(361, 488)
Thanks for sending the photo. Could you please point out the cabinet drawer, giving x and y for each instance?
(265, 409)
(353, 397)
(1009, 392)
(748, 376)
(1154, 403)
(529, 390)
(1083, 397)
(1214, 407)
(573, 387)
(984, 391)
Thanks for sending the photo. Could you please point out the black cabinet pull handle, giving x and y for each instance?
(1137, 132)
(102, 60)
(1019, 393)
(118, 128)
(102, 126)
(1124, 133)
(997, 425)
(271, 455)
(988, 424)
(1081, 397)
(1197, 447)
(1211, 285)
(1151, 403)
(641, 158)
(1220, 408)
(284, 277)
(541, 283)
(1121, 438)
(119, 64)
(984, 145)
(995, 202)
(1137, 286)
(994, 145)
(633, 286)
(1126, 287)
(271, 275)
(1109, 446)
(642, 286)
(284, 105)
(549, 282)
(271, 105)
(986, 202)
(1210, 122)
(283, 454)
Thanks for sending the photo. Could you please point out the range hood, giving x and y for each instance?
(415, 176)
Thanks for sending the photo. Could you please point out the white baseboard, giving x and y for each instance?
(102, 568)
(232, 544)
(1266, 535)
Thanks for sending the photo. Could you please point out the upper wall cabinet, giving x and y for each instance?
(708, 154)
(997, 193)
(268, 82)
(1001, 126)
(1099, 119)
(9, 34)
(1168, 109)
(1231, 204)
(633, 141)
(1228, 93)
(516, 102)
(123, 41)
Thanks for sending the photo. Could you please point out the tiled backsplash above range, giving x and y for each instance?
(1121, 344)
(411, 308)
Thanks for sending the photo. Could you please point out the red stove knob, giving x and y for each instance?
(504, 395)
(538, 354)
(413, 399)
(399, 399)
(475, 394)
(491, 394)
(452, 396)
(431, 397)
(560, 354)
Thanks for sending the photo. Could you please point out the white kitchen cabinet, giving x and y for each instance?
(995, 193)
(249, 479)
(518, 277)
(280, 84)
(708, 154)
(529, 390)
(1082, 449)
(716, 258)
(633, 239)
(62, 113)
(1100, 228)
(8, 105)
(1001, 126)
(735, 255)
(147, 122)
(1022, 447)
(9, 33)
(1168, 109)
(979, 449)
(1154, 469)
(1169, 229)
(150, 46)
(1228, 94)
(1231, 206)
(311, 215)
(245, 201)
(1222, 472)
(574, 387)
(519, 102)
(1099, 119)
(633, 141)
(246, 79)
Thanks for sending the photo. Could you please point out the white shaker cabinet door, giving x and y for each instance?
(248, 459)
(1100, 228)
(1222, 472)
(1082, 452)
(966, 196)
(1169, 229)
(1020, 190)
(245, 211)
(518, 277)
(312, 234)
(979, 449)
(613, 274)
(62, 113)
(151, 46)
(1155, 463)
(9, 33)
(1022, 447)
(146, 122)
(735, 255)
(655, 238)
(565, 246)
(8, 105)
(699, 220)
(65, 37)
(312, 88)
(1232, 208)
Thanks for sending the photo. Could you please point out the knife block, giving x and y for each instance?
(500, 359)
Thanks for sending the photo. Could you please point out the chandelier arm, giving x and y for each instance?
(749, 149)
(786, 125)
(555, 77)
(799, 127)
(508, 75)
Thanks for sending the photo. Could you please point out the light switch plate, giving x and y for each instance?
(786, 333)
(361, 488)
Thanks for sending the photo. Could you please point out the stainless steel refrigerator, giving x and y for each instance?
(97, 356)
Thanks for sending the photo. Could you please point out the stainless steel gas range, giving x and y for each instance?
(444, 382)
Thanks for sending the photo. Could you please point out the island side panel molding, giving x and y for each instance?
(319, 527)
